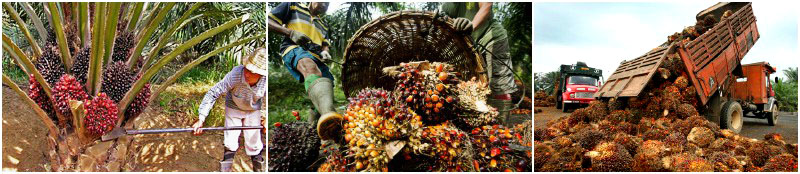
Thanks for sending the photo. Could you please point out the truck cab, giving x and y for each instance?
(754, 92)
(576, 85)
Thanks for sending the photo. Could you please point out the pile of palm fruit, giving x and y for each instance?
(544, 100)
(440, 122)
(661, 130)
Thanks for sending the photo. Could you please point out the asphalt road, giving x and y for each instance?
(753, 127)
(786, 126)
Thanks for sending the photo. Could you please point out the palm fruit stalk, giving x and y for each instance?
(101, 114)
(471, 107)
(498, 149)
(293, 147)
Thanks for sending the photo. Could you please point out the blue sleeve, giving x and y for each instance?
(280, 14)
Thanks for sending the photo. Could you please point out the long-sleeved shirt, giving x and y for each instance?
(239, 96)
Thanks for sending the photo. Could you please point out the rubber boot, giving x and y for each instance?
(503, 108)
(313, 116)
(258, 161)
(320, 91)
(227, 161)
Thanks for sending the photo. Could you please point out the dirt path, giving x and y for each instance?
(24, 136)
(24, 142)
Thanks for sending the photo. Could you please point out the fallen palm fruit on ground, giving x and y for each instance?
(443, 122)
(659, 131)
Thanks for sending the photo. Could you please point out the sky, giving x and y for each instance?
(605, 34)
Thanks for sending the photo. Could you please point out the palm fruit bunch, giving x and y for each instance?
(37, 94)
(122, 46)
(66, 89)
(609, 156)
(139, 102)
(335, 161)
(781, 163)
(49, 64)
(648, 156)
(448, 146)
(101, 114)
(427, 88)
(374, 111)
(80, 64)
(373, 118)
(496, 150)
(725, 162)
(293, 147)
(117, 80)
(472, 109)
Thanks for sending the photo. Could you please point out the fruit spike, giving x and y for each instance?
(117, 80)
(101, 114)
(293, 147)
(139, 103)
(67, 88)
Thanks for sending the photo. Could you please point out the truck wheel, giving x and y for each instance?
(772, 116)
(564, 107)
(731, 117)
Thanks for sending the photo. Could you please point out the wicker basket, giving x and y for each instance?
(406, 36)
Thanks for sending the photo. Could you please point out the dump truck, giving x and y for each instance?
(712, 62)
(575, 85)
(754, 92)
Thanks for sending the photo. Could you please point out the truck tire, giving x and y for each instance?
(564, 107)
(772, 116)
(731, 116)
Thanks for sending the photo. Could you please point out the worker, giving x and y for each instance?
(304, 51)
(476, 19)
(245, 105)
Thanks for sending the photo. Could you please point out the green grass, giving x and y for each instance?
(285, 94)
(13, 71)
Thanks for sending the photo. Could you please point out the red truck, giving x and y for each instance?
(575, 85)
(712, 62)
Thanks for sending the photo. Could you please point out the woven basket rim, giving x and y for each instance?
(465, 38)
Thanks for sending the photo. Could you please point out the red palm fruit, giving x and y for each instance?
(67, 88)
(277, 124)
(37, 94)
(101, 114)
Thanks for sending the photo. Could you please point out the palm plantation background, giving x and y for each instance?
(344, 22)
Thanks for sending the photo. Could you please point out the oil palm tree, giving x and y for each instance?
(95, 41)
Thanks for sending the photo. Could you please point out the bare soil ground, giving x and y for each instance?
(753, 127)
(24, 142)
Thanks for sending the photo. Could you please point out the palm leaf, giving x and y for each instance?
(60, 36)
(21, 24)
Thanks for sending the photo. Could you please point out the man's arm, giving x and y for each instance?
(274, 26)
(482, 15)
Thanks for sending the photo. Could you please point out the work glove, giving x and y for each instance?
(298, 37)
(462, 25)
(326, 57)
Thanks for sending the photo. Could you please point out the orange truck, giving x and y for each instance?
(712, 62)
(754, 92)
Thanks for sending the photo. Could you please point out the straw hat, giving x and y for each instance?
(256, 61)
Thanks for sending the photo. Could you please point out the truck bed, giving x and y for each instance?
(709, 59)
